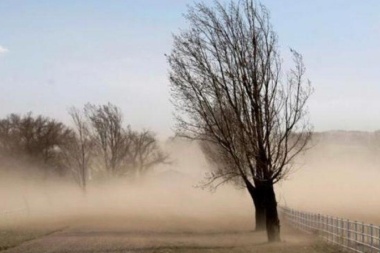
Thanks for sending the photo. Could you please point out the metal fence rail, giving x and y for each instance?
(352, 235)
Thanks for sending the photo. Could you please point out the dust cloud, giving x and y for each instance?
(337, 176)
(168, 200)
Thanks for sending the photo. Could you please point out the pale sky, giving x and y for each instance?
(56, 54)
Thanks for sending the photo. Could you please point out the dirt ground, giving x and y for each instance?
(134, 235)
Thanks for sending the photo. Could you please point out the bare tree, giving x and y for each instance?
(78, 149)
(10, 143)
(111, 138)
(230, 93)
(145, 152)
(35, 138)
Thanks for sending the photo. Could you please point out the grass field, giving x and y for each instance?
(17, 232)
(97, 234)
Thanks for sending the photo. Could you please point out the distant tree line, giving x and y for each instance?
(97, 145)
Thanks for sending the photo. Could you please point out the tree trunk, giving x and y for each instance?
(272, 220)
(260, 217)
(258, 202)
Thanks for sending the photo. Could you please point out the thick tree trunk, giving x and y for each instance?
(258, 202)
(260, 217)
(272, 220)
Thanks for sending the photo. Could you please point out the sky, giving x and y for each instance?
(58, 54)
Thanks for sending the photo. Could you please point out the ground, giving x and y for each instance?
(123, 236)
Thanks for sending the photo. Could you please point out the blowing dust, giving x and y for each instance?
(167, 200)
(336, 177)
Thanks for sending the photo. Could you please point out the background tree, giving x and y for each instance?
(78, 149)
(36, 139)
(145, 152)
(230, 93)
(111, 138)
(97, 135)
(124, 151)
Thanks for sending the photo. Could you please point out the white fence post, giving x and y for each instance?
(356, 235)
(371, 237)
(348, 233)
(363, 237)
(331, 227)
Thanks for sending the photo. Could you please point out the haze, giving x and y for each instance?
(338, 172)
(98, 57)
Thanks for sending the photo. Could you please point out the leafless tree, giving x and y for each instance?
(9, 135)
(35, 138)
(145, 152)
(230, 93)
(111, 138)
(98, 140)
(78, 149)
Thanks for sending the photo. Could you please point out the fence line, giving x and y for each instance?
(352, 235)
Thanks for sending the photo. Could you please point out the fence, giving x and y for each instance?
(352, 235)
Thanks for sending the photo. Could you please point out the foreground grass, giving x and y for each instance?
(124, 237)
(283, 248)
(152, 244)
(17, 232)
(317, 247)
(13, 238)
